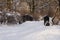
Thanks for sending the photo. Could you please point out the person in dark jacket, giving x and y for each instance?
(46, 20)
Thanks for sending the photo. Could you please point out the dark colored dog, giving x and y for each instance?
(27, 18)
(46, 20)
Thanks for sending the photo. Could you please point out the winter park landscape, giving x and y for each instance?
(29, 19)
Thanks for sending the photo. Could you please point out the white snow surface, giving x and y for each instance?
(34, 30)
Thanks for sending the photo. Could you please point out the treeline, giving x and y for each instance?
(36, 8)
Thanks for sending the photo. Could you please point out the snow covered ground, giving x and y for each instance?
(30, 31)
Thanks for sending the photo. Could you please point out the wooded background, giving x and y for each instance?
(36, 8)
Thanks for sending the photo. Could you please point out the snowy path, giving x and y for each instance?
(29, 31)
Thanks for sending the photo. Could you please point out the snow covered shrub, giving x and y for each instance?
(2, 17)
(10, 18)
(13, 18)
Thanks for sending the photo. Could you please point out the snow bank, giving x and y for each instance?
(30, 31)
